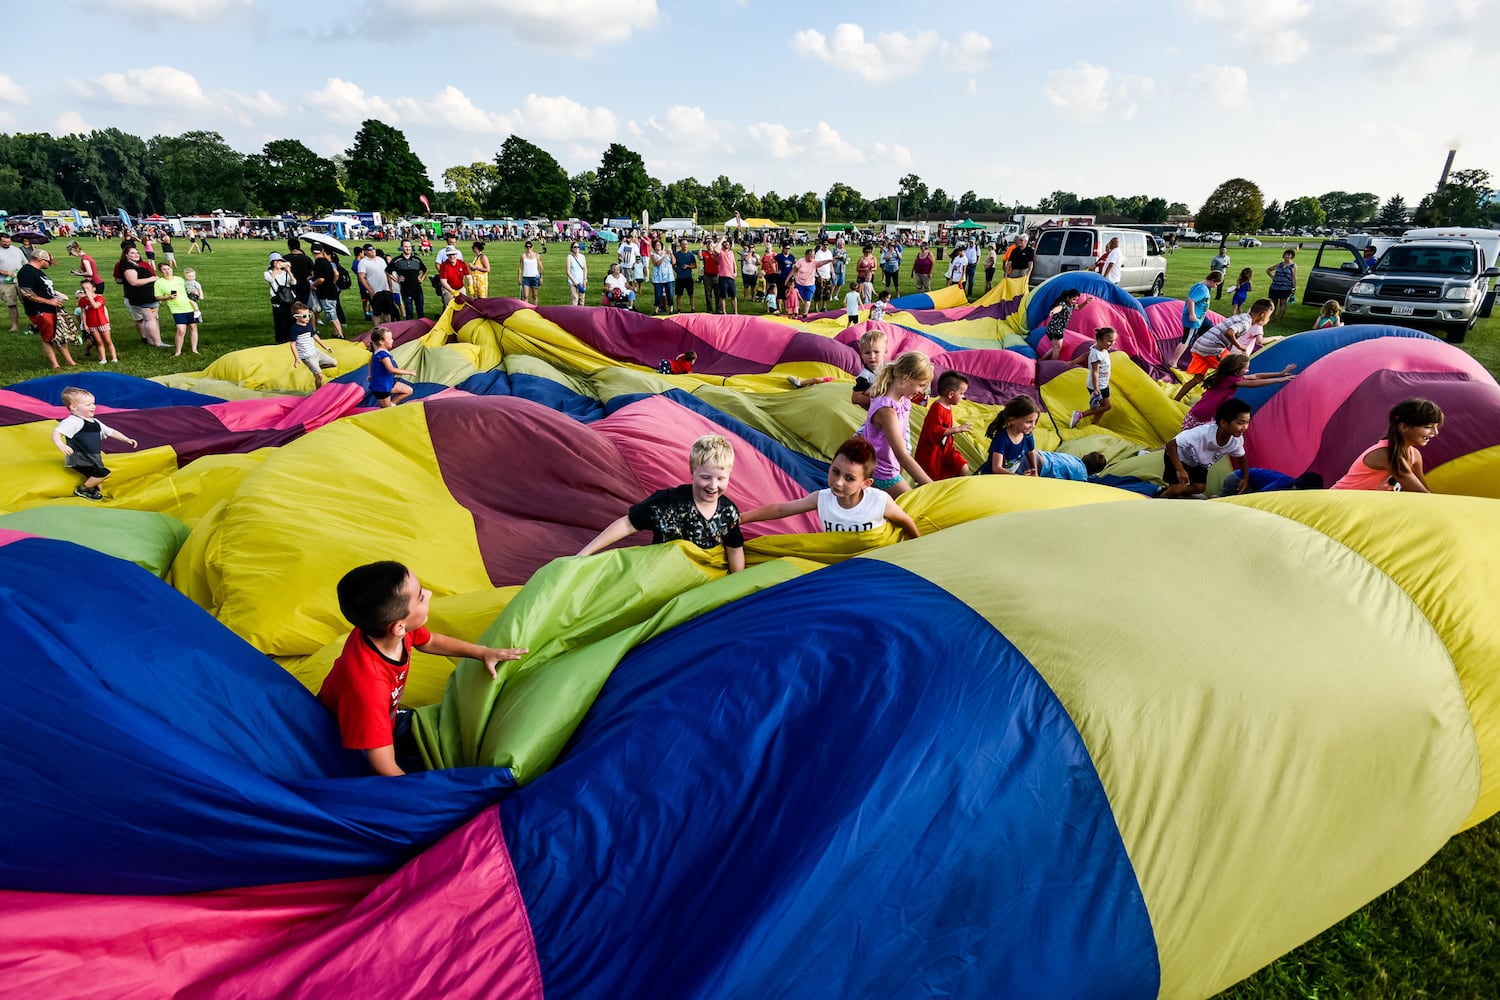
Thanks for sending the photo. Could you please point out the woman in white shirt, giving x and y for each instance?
(578, 275)
(749, 273)
(615, 281)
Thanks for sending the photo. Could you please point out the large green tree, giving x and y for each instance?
(1394, 212)
(287, 176)
(1236, 206)
(1463, 200)
(1303, 213)
(621, 185)
(529, 182)
(911, 195)
(383, 171)
(1344, 208)
(471, 185)
(199, 173)
(1153, 211)
(1059, 201)
(583, 193)
(121, 175)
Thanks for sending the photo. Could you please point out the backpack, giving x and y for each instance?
(343, 281)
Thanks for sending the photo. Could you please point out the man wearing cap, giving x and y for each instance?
(452, 273)
(409, 272)
(302, 269)
(278, 275)
(41, 302)
(449, 249)
(374, 280)
(12, 259)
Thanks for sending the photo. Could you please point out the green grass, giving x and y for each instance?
(1434, 935)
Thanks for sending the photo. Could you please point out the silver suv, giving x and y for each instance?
(1436, 283)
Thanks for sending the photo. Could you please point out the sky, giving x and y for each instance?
(1010, 100)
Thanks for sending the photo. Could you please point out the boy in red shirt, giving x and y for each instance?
(936, 452)
(387, 605)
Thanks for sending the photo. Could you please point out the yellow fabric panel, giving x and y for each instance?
(526, 332)
(275, 367)
(1476, 474)
(1005, 290)
(1142, 411)
(949, 297)
(1278, 729)
(1444, 551)
(273, 530)
(463, 616)
(35, 474)
(195, 570)
(198, 382)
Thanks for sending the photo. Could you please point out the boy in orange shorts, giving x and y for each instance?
(1241, 334)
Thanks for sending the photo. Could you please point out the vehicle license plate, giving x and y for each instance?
(1402, 310)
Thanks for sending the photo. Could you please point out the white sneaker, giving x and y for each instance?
(1077, 416)
(795, 381)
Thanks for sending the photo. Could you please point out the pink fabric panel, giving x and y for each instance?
(898, 339)
(742, 336)
(1165, 318)
(1134, 335)
(7, 536)
(449, 923)
(43, 411)
(997, 365)
(654, 436)
(333, 400)
(1287, 432)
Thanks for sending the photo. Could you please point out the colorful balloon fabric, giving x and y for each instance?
(862, 767)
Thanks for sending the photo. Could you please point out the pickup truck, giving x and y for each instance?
(1438, 283)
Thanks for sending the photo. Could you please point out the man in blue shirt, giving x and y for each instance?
(1195, 311)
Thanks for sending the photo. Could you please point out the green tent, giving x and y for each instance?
(967, 224)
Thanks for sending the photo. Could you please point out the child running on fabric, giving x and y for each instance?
(1188, 456)
(1242, 334)
(889, 422)
(195, 293)
(1012, 448)
(1395, 461)
(80, 438)
(1221, 384)
(388, 607)
(1332, 314)
(383, 371)
(872, 347)
(696, 512)
(882, 303)
(851, 305)
(96, 321)
(1242, 288)
(1057, 321)
(1098, 380)
(936, 451)
(307, 348)
(849, 503)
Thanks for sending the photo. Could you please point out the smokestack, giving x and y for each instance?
(1447, 166)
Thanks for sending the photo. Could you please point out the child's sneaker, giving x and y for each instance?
(88, 492)
(1073, 422)
(796, 382)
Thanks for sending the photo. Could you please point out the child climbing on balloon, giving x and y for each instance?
(889, 422)
(1098, 380)
(1241, 334)
(1188, 456)
(383, 371)
(388, 607)
(936, 450)
(696, 512)
(1057, 321)
(1221, 384)
(1332, 314)
(1012, 448)
(849, 503)
(1395, 461)
(872, 347)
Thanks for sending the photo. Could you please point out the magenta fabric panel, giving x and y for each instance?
(654, 435)
(35, 409)
(1469, 424)
(451, 922)
(898, 339)
(1288, 431)
(333, 400)
(730, 345)
(1165, 318)
(995, 376)
(402, 331)
(7, 536)
(537, 484)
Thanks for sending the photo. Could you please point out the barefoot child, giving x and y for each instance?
(1012, 448)
(1188, 456)
(849, 503)
(696, 512)
(307, 347)
(1395, 461)
(1242, 289)
(889, 423)
(936, 451)
(80, 438)
(383, 371)
(1098, 380)
(96, 320)
(388, 607)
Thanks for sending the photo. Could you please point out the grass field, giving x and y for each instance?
(1435, 935)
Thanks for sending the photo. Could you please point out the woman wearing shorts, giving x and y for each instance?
(139, 280)
(1283, 284)
(531, 275)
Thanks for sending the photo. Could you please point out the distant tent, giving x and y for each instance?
(750, 224)
(967, 224)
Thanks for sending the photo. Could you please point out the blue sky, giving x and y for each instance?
(1011, 100)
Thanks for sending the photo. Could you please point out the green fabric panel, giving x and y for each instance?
(148, 539)
(433, 364)
(579, 617)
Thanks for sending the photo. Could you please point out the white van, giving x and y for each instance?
(1143, 267)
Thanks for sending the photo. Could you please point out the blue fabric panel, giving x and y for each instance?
(1134, 484)
(112, 389)
(809, 473)
(1045, 295)
(793, 796)
(916, 300)
(1305, 349)
(553, 395)
(157, 752)
(361, 378)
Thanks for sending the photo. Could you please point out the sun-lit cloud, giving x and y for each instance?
(889, 55)
(211, 11)
(570, 25)
(347, 102)
(70, 123)
(1226, 87)
(12, 92)
(1086, 92)
(150, 87)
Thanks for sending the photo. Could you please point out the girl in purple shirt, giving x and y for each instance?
(889, 424)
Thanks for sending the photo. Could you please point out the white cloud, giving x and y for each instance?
(259, 103)
(888, 56)
(450, 108)
(70, 123)
(1227, 87)
(571, 25)
(185, 10)
(1086, 92)
(774, 140)
(155, 86)
(347, 102)
(895, 154)
(686, 126)
(825, 143)
(561, 118)
(12, 92)
(1274, 32)
(970, 53)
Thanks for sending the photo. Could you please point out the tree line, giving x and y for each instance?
(199, 172)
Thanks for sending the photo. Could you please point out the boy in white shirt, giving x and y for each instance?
(850, 503)
(1098, 380)
(851, 305)
(1187, 458)
(79, 436)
